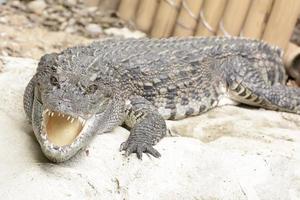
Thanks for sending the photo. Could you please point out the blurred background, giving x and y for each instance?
(33, 28)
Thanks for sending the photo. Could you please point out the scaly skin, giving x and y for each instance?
(141, 82)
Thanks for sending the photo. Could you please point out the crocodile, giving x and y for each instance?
(88, 90)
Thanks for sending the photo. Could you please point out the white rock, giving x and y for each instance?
(70, 2)
(124, 32)
(37, 6)
(93, 29)
(239, 153)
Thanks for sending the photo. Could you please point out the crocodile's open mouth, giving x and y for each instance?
(61, 129)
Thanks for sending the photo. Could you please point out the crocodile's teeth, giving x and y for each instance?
(59, 114)
(52, 114)
(82, 121)
(63, 115)
(72, 120)
(68, 117)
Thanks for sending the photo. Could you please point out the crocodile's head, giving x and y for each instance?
(69, 98)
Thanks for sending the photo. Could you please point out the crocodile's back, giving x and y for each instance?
(181, 77)
(158, 56)
(173, 75)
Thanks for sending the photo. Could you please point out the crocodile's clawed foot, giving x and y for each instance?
(139, 148)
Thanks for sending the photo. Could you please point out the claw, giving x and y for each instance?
(123, 146)
(153, 151)
(139, 149)
(130, 150)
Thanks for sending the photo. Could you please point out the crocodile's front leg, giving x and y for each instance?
(147, 127)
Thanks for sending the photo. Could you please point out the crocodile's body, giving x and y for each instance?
(142, 82)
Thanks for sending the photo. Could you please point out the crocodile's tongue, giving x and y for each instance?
(62, 129)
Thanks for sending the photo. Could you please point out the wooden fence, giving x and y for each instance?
(270, 20)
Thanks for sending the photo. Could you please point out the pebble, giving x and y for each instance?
(93, 29)
(124, 32)
(37, 6)
(70, 2)
(72, 16)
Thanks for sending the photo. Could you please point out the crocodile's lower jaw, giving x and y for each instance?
(61, 129)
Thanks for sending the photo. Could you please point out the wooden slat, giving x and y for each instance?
(210, 15)
(257, 17)
(234, 17)
(127, 9)
(165, 18)
(145, 14)
(282, 21)
(188, 17)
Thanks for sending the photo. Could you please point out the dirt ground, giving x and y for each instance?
(25, 32)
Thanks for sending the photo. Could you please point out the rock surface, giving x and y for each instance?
(235, 153)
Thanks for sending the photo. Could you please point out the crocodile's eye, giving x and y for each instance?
(54, 81)
(53, 68)
(91, 88)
